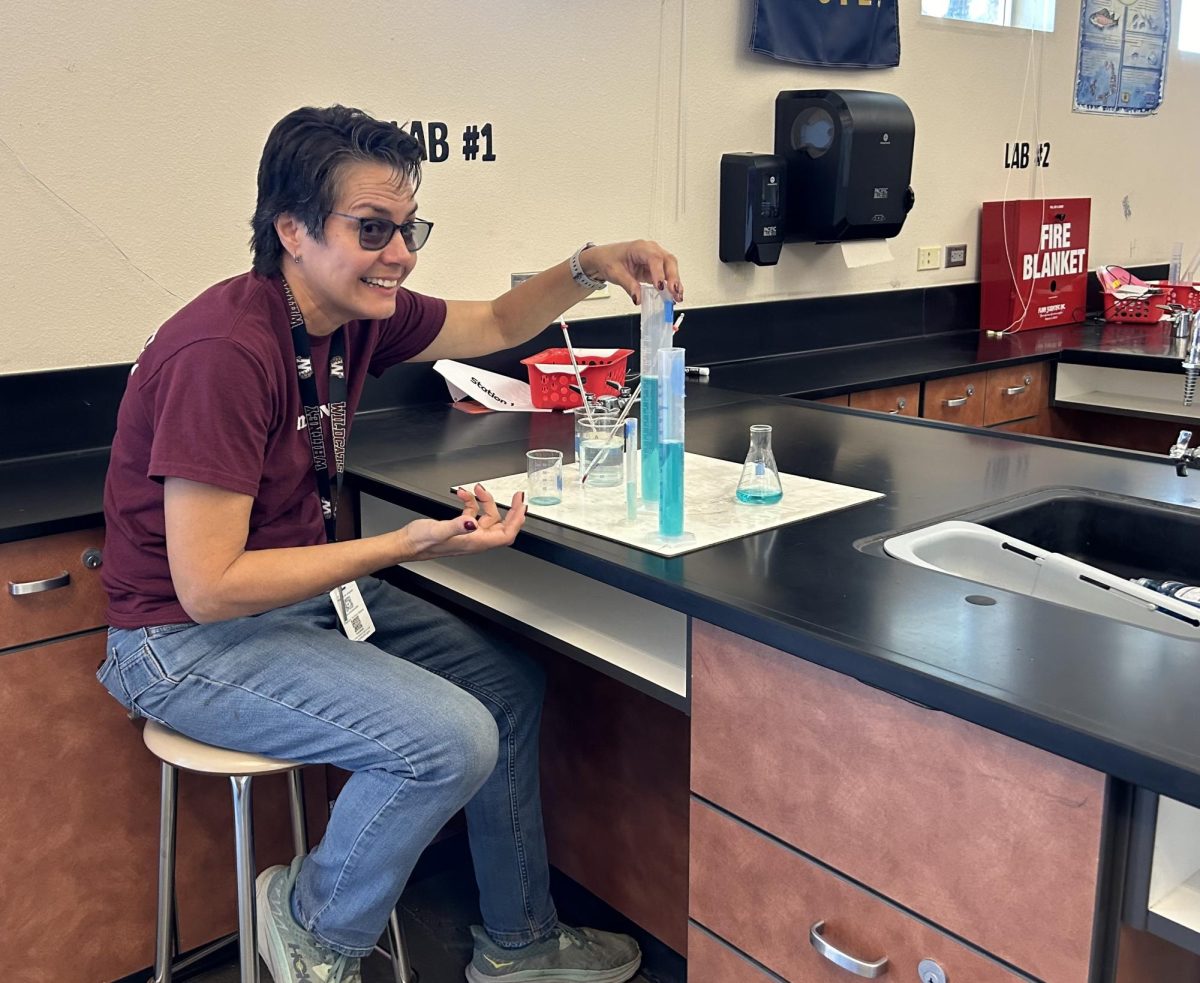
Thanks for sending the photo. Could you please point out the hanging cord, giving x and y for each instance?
(1037, 136)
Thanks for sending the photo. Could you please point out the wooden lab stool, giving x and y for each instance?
(176, 751)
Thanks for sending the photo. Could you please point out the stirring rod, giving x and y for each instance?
(575, 365)
(613, 432)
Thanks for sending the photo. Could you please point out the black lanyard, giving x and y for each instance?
(328, 492)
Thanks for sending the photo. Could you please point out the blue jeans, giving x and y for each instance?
(428, 714)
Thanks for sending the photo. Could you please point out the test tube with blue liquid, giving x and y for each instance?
(658, 314)
(670, 448)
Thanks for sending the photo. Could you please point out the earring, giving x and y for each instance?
(297, 259)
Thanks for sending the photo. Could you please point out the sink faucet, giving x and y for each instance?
(1181, 454)
(1191, 360)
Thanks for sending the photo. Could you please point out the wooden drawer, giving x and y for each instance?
(896, 400)
(1014, 393)
(764, 898)
(35, 617)
(994, 840)
(711, 961)
(942, 399)
(842, 400)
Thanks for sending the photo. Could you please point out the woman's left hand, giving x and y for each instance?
(630, 264)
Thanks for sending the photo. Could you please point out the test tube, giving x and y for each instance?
(631, 468)
(1174, 270)
(658, 314)
(670, 450)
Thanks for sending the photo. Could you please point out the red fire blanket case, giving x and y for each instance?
(1033, 262)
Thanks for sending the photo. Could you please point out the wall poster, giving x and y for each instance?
(1122, 63)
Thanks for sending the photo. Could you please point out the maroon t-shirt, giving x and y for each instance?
(214, 398)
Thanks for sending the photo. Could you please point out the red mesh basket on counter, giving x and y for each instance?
(1145, 309)
(551, 376)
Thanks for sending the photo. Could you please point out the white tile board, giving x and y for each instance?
(712, 513)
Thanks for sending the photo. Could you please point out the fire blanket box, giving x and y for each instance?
(1033, 263)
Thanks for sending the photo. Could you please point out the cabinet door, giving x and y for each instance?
(79, 825)
(765, 898)
(957, 399)
(76, 606)
(994, 840)
(78, 820)
(711, 961)
(1014, 393)
(895, 400)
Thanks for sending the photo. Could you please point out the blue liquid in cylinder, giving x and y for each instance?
(670, 506)
(649, 428)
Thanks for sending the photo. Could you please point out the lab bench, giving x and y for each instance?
(655, 751)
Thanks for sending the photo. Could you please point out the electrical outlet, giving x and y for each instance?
(956, 255)
(515, 278)
(929, 257)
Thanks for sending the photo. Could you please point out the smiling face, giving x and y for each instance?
(336, 279)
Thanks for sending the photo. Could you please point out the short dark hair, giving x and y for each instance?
(301, 165)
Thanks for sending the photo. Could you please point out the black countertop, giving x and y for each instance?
(1117, 698)
(40, 496)
(833, 371)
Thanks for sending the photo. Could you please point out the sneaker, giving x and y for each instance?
(569, 955)
(292, 955)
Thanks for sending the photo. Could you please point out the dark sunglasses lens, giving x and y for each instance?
(416, 234)
(375, 233)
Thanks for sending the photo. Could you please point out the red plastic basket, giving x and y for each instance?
(1147, 309)
(551, 376)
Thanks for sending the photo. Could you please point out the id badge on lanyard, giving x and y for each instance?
(347, 599)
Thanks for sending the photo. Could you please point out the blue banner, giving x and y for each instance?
(834, 33)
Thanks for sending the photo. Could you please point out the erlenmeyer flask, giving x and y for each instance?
(759, 484)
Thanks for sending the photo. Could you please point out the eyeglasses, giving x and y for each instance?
(375, 233)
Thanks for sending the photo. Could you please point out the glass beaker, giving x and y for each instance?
(601, 451)
(759, 484)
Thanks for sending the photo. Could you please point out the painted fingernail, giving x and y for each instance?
(469, 526)
(453, 490)
(661, 284)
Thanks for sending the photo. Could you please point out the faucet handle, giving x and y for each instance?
(1180, 454)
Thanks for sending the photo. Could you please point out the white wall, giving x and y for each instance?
(130, 135)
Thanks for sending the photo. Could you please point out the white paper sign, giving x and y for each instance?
(495, 391)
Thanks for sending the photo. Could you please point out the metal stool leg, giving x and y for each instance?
(243, 834)
(166, 873)
(399, 951)
(299, 822)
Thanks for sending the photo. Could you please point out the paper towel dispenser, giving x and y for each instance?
(849, 161)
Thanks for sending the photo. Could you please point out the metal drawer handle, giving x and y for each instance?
(39, 586)
(900, 404)
(866, 970)
(1017, 390)
(961, 399)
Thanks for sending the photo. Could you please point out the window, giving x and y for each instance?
(1035, 15)
(1189, 26)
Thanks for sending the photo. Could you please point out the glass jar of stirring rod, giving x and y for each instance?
(601, 450)
(759, 484)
